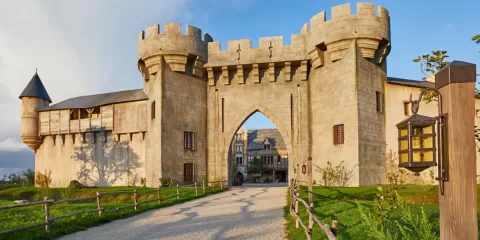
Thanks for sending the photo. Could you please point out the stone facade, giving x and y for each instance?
(195, 97)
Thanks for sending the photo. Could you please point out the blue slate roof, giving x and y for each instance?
(256, 138)
(36, 89)
(410, 83)
(99, 100)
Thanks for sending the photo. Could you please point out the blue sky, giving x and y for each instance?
(87, 46)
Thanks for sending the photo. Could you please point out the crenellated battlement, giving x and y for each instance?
(371, 29)
(176, 48)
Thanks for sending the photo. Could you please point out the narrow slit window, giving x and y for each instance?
(152, 110)
(291, 111)
(406, 107)
(338, 134)
(379, 98)
(188, 140)
(223, 114)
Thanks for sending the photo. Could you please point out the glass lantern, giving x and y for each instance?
(304, 168)
(416, 143)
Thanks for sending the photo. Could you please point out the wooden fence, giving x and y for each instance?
(312, 219)
(135, 195)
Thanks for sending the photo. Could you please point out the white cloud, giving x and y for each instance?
(79, 47)
(12, 144)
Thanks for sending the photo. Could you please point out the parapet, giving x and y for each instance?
(173, 45)
(270, 49)
(371, 29)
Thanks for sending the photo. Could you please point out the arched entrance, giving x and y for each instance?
(263, 153)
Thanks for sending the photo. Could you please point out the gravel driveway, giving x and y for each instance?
(247, 212)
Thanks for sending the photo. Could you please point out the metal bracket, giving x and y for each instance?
(442, 153)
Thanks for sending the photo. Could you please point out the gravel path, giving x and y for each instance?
(247, 212)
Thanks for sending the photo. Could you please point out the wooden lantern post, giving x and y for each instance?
(310, 180)
(458, 205)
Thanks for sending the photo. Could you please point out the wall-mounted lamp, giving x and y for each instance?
(416, 140)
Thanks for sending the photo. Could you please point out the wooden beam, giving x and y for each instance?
(458, 205)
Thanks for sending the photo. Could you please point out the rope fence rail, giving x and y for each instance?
(295, 199)
(100, 210)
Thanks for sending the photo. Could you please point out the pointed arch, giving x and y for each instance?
(246, 114)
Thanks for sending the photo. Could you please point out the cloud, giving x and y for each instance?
(12, 144)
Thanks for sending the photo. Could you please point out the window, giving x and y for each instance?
(239, 148)
(279, 160)
(338, 134)
(239, 137)
(379, 98)
(74, 114)
(152, 110)
(406, 108)
(96, 112)
(266, 146)
(189, 140)
(264, 160)
(239, 161)
(83, 113)
(188, 172)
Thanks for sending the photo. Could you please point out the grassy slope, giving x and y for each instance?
(18, 217)
(335, 203)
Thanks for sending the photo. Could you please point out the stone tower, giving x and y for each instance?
(33, 97)
(172, 67)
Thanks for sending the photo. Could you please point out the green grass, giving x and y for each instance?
(18, 217)
(9, 185)
(339, 203)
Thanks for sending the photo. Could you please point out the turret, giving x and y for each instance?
(177, 49)
(34, 97)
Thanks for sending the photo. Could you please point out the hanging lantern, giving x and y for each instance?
(304, 168)
(416, 143)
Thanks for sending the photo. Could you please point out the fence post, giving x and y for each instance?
(310, 220)
(99, 205)
(135, 199)
(334, 227)
(158, 194)
(297, 224)
(178, 192)
(47, 215)
(196, 190)
(203, 186)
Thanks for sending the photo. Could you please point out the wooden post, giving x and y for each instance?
(159, 189)
(310, 180)
(333, 229)
(458, 205)
(310, 220)
(47, 214)
(98, 205)
(178, 192)
(203, 186)
(196, 190)
(297, 224)
(135, 200)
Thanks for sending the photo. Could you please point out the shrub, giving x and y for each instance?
(43, 180)
(335, 176)
(143, 181)
(168, 182)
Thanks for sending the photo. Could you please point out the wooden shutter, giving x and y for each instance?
(152, 110)
(338, 134)
(405, 108)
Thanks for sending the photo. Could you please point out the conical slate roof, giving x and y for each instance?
(36, 89)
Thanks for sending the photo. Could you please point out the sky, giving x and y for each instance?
(90, 46)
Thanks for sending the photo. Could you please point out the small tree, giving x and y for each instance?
(256, 166)
(29, 175)
(429, 65)
(476, 39)
(335, 176)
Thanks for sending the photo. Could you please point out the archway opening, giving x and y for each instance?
(258, 152)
